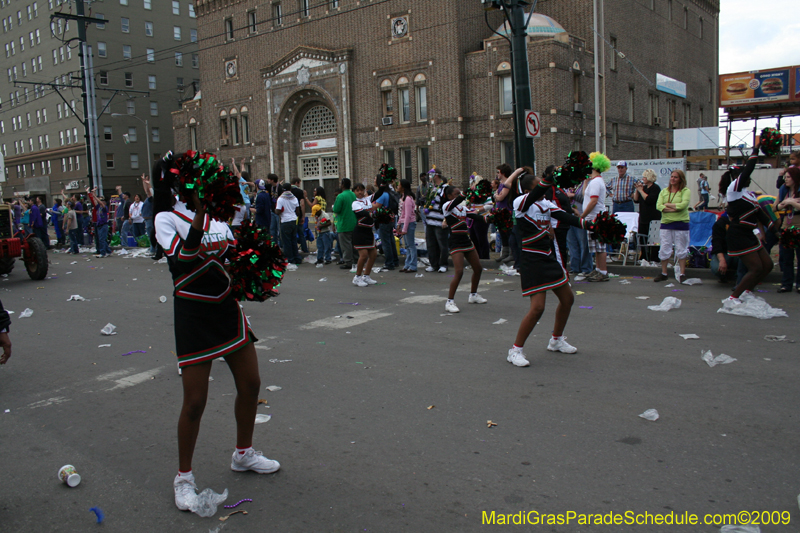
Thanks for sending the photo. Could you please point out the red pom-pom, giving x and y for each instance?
(771, 141)
(257, 265)
(481, 193)
(216, 186)
(383, 216)
(576, 168)
(501, 218)
(608, 229)
(790, 237)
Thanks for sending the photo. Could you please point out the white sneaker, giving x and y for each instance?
(430, 269)
(560, 345)
(291, 267)
(253, 460)
(369, 280)
(580, 277)
(354, 269)
(517, 358)
(358, 281)
(450, 306)
(442, 269)
(185, 492)
(476, 299)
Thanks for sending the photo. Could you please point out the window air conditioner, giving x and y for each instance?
(387, 121)
(675, 124)
(657, 121)
(223, 142)
(578, 108)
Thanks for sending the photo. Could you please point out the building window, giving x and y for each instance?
(109, 161)
(148, 29)
(103, 77)
(100, 25)
(178, 59)
(179, 84)
(126, 25)
(405, 105)
(317, 122)
(388, 157)
(252, 23)
(191, 11)
(148, 4)
(422, 103)
(506, 95)
(155, 135)
(134, 161)
(245, 127)
(702, 28)
(304, 11)
(407, 164)
(687, 115)
(653, 109)
(101, 49)
(507, 152)
(234, 124)
(614, 134)
(423, 159)
(631, 102)
(612, 63)
(193, 36)
(229, 29)
(671, 114)
(223, 125)
(132, 137)
(153, 109)
(130, 107)
(126, 51)
(669, 9)
(193, 137)
(277, 14)
(123, 2)
(128, 79)
(195, 60)
(576, 87)
(685, 18)
(151, 82)
(701, 118)
(151, 55)
(176, 33)
(107, 133)
(176, 7)
(335, 5)
(388, 106)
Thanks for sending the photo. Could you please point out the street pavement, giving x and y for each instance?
(381, 421)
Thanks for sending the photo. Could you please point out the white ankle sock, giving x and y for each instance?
(185, 475)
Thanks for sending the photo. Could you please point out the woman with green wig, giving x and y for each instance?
(593, 204)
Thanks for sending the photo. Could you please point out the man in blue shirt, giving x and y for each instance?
(55, 217)
(263, 208)
(244, 182)
(386, 234)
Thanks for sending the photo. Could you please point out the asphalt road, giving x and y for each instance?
(381, 422)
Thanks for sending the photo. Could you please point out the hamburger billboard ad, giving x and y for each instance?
(759, 86)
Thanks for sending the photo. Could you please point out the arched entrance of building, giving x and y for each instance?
(318, 159)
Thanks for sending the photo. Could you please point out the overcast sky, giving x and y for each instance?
(758, 39)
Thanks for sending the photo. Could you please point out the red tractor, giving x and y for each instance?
(30, 248)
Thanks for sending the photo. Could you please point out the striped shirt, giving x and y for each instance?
(435, 215)
(623, 188)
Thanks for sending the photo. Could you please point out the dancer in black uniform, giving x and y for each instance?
(461, 247)
(209, 323)
(746, 215)
(540, 268)
(364, 236)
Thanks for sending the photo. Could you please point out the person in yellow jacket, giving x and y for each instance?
(673, 202)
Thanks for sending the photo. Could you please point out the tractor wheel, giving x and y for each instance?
(36, 259)
(6, 265)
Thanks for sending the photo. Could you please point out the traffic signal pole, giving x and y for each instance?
(525, 153)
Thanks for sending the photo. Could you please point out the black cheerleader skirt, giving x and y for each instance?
(741, 240)
(363, 238)
(205, 331)
(460, 242)
(540, 272)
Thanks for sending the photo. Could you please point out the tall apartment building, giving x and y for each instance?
(324, 89)
(147, 46)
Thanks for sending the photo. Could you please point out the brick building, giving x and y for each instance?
(324, 89)
(148, 46)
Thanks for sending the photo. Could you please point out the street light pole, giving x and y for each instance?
(146, 132)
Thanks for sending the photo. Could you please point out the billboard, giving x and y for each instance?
(760, 87)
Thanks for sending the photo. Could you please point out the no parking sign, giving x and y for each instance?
(532, 124)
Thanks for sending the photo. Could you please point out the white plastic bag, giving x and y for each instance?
(207, 502)
(712, 361)
(76, 298)
(754, 307)
(108, 329)
(26, 313)
(693, 281)
(670, 302)
(650, 414)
